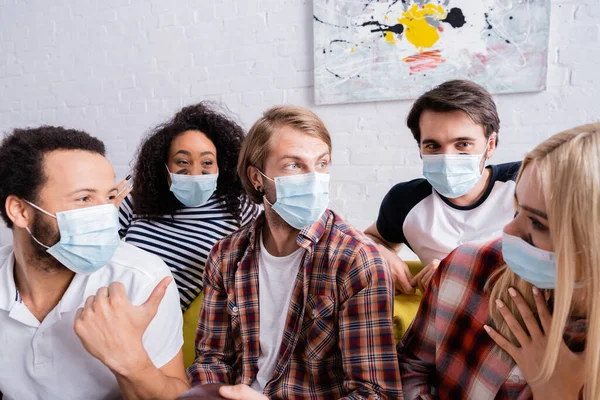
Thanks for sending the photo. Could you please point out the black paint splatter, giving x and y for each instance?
(397, 29)
(329, 23)
(455, 18)
(487, 21)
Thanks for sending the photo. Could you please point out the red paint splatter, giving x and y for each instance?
(441, 28)
(424, 61)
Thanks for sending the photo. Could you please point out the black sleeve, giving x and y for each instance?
(396, 205)
(506, 172)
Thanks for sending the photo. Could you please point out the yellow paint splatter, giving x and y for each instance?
(390, 38)
(417, 30)
(353, 49)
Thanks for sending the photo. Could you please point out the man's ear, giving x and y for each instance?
(18, 212)
(256, 179)
(491, 148)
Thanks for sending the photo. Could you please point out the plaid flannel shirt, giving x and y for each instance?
(446, 353)
(338, 340)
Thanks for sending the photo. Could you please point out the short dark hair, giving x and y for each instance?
(151, 196)
(455, 95)
(22, 155)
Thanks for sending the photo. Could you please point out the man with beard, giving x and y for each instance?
(297, 304)
(82, 315)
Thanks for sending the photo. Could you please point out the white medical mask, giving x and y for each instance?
(193, 190)
(453, 175)
(301, 199)
(533, 265)
(89, 237)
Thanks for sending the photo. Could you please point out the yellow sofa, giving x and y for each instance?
(405, 309)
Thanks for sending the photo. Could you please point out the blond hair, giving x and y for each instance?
(569, 170)
(256, 145)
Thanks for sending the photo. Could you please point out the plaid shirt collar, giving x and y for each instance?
(307, 237)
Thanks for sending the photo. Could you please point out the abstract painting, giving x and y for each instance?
(370, 50)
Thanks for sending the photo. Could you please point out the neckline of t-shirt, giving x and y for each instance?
(480, 201)
(270, 256)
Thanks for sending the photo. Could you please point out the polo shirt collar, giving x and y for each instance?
(71, 300)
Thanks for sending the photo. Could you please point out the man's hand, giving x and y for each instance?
(389, 252)
(241, 392)
(400, 271)
(424, 276)
(111, 328)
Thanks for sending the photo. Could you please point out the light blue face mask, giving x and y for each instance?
(301, 199)
(453, 175)
(89, 237)
(533, 265)
(193, 190)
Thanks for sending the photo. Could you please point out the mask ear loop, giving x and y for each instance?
(27, 228)
(34, 238)
(39, 209)
(263, 193)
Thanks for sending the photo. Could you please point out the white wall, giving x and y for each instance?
(117, 67)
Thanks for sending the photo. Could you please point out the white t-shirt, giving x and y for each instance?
(276, 279)
(432, 226)
(47, 360)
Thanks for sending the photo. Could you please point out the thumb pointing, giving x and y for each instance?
(151, 305)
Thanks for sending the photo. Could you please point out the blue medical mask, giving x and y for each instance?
(193, 190)
(453, 175)
(301, 199)
(89, 237)
(533, 265)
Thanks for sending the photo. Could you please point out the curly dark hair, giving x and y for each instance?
(151, 196)
(22, 154)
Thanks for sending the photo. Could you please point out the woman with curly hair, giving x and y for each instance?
(186, 194)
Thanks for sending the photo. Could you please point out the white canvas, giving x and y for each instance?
(373, 50)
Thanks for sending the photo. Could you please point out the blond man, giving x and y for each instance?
(299, 303)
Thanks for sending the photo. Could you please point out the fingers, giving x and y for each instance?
(116, 292)
(151, 305)
(504, 344)
(419, 276)
(528, 317)
(402, 276)
(403, 282)
(240, 392)
(427, 279)
(89, 303)
(542, 309)
(512, 322)
(123, 189)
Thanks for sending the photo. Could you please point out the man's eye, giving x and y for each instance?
(84, 198)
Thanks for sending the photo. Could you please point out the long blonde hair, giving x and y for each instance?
(569, 170)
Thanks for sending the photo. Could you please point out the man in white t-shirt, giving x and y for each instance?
(460, 200)
(82, 314)
(297, 304)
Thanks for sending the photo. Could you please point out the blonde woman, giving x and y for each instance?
(509, 320)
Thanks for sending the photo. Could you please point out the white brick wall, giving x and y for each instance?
(116, 68)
